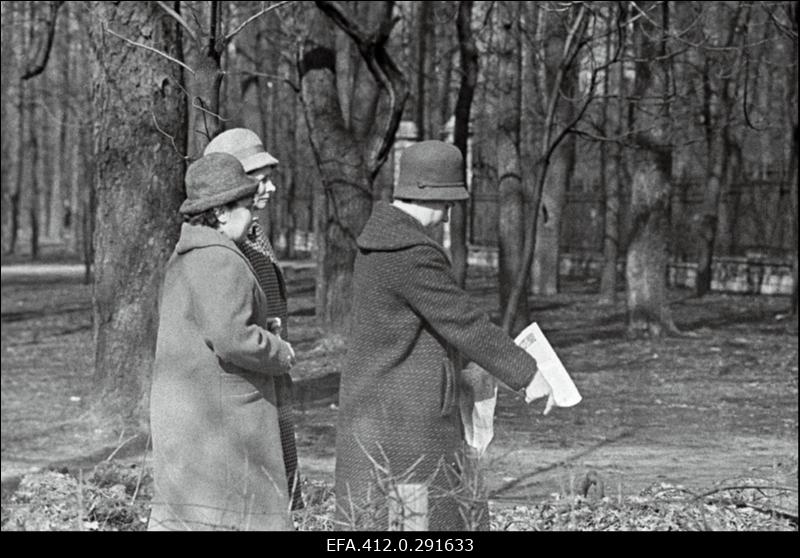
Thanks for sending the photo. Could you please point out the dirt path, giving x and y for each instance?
(692, 411)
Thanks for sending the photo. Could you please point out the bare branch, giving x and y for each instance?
(372, 47)
(177, 17)
(171, 137)
(229, 37)
(151, 49)
(335, 11)
(275, 77)
(43, 53)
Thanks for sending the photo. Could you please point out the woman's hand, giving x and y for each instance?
(539, 388)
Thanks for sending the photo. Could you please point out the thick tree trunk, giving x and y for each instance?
(204, 86)
(347, 202)
(646, 265)
(138, 177)
(349, 155)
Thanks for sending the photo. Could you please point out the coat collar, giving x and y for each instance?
(194, 237)
(390, 229)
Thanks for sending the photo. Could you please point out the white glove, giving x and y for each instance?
(539, 388)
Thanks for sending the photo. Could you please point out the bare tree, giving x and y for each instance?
(552, 35)
(511, 197)
(611, 158)
(468, 64)
(349, 154)
(721, 74)
(646, 264)
(551, 137)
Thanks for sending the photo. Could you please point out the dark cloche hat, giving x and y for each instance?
(214, 180)
(431, 170)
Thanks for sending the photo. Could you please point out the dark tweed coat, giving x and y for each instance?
(398, 387)
(258, 250)
(217, 455)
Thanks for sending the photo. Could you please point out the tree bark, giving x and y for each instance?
(511, 197)
(138, 178)
(348, 157)
(424, 23)
(544, 273)
(204, 86)
(612, 157)
(33, 152)
(646, 263)
(719, 107)
(468, 53)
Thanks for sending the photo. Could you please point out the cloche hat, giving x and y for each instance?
(431, 170)
(214, 180)
(243, 144)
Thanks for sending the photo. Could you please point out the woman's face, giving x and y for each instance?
(440, 211)
(235, 220)
(265, 186)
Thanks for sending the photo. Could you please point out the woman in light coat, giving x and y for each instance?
(218, 463)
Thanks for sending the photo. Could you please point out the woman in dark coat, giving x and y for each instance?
(398, 416)
(246, 146)
(217, 457)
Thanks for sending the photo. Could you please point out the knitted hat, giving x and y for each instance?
(214, 180)
(431, 170)
(243, 144)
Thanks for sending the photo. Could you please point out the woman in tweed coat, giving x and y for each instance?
(246, 146)
(398, 414)
(217, 457)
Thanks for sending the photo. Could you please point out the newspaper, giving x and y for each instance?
(551, 375)
(551, 379)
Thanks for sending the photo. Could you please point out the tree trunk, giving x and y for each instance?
(424, 24)
(466, 92)
(138, 177)
(511, 197)
(348, 157)
(709, 217)
(88, 204)
(347, 202)
(544, 272)
(793, 185)
(646, 265)
(60, 155)
(16, 191)
(612, 156)
(718, 109)
(33, 152)
(544, 275)
(204, 85)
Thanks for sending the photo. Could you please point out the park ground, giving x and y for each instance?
(707, 420)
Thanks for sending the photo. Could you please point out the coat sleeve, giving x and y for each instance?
(224, 305)
(431, 290)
